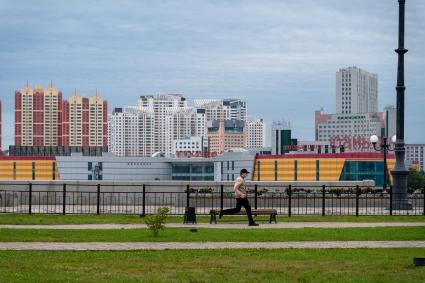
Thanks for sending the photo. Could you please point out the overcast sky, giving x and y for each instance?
(280, 56)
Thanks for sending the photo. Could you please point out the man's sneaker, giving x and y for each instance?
(221, 214)
(253, 224)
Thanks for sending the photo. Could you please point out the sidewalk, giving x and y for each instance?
(281, 225)
(122, 246)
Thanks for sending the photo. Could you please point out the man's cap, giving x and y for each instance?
(245, 171)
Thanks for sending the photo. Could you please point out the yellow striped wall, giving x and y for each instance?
(24, 171)
(330, 168)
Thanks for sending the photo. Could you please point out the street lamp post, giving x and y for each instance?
(385, 146)
(400, 172)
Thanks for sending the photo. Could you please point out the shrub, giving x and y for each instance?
(191, 190)
(206, 190)
(156, 221)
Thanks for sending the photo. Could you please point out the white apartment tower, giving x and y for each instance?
(180, 123)
(256, 133)
(356, 91)
(223, 109)
(131, 132)
(159, 104)
(201, 123)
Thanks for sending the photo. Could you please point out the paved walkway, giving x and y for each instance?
(281, 225)
(108, 246)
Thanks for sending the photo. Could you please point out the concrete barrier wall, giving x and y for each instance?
(130, 193)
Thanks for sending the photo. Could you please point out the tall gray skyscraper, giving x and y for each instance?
(356, 91)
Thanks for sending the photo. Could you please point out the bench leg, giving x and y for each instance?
(212, 218)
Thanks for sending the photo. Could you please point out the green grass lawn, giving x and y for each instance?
(256, 265)
(215, 235)
(52, 219)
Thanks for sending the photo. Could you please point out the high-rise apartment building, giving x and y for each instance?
(201, 123)
(223, 109)
(172, 120)
(131, 132)
(180, 122)
(357, 117)
(43, 119)
(85, 121)
(356, 91)
(256, 133)
(159, 104)
(38, 116)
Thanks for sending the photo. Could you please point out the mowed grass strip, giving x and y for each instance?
(215, 235)
(253, 265)
(56, 219)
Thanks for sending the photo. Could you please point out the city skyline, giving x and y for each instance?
(277, 57)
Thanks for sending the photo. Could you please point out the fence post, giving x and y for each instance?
(221, 196)
(187, 196)
(289, 201)
(423, 193)
(64, 199)
(30, 199)
(144, 200)
(323, 199)
(98, 200)
(255, 197)
(391, 200)
(357, 200)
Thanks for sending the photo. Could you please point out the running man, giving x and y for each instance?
(241, 195)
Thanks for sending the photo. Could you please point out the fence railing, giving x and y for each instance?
(142, 199)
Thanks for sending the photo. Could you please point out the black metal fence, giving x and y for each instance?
(142, 199)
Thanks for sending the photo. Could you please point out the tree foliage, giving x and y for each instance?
(156, 221)
(415, 180)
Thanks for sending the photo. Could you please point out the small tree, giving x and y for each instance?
(156, 221)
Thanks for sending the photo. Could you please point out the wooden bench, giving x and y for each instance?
(271, 212)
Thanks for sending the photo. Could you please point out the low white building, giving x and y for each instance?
(189, 146)
(353, 131)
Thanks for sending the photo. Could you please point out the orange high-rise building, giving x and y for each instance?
(43, 119)
(85, 121)
(38, 116)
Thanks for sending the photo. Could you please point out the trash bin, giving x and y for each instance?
(189, 215)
